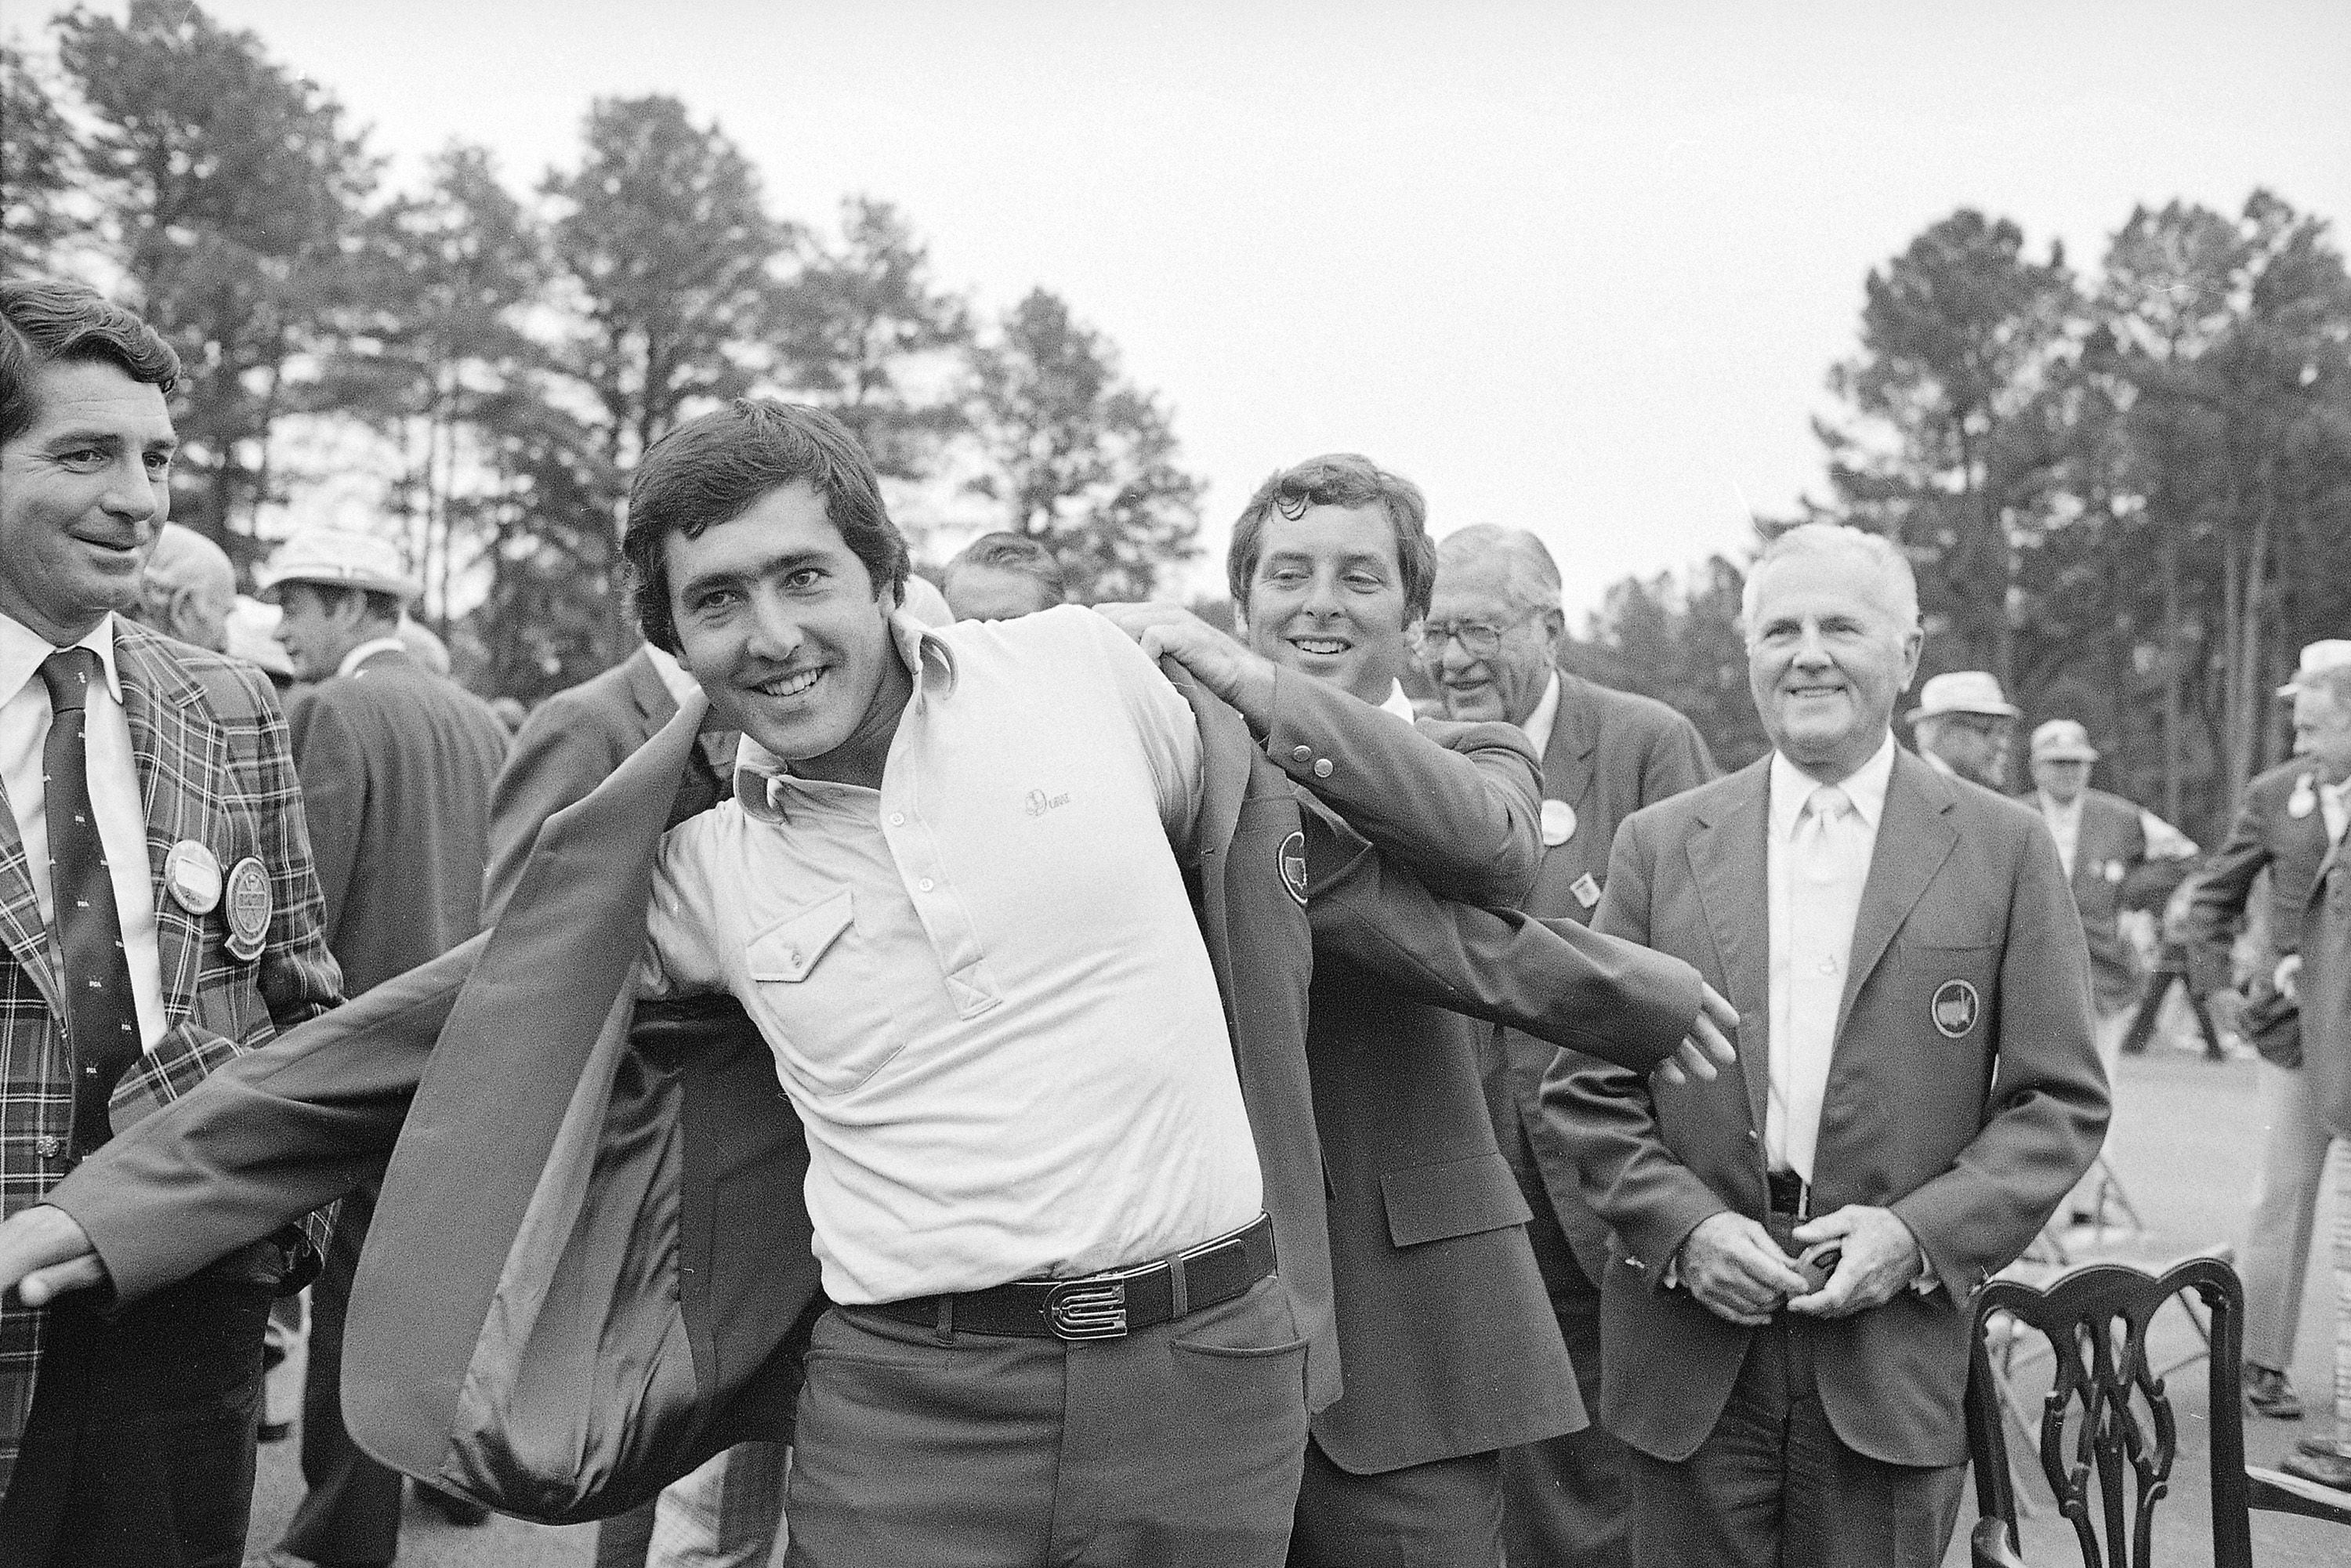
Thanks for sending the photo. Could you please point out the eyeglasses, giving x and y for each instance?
(1478, 639)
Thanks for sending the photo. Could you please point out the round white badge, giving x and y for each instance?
(192, 874)
(2303, 801)
(2117, 870)
(1955, 1008)
(1558, 823)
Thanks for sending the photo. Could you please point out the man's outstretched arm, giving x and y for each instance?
(269, 1137)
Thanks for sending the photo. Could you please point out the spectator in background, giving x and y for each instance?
(1962, 725)
(1490, 643)
(1001, 577)
(2102, 840)
(2287, 820)
(396, 763)
(188, 589)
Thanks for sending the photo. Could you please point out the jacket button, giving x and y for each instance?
(1300, 753)
(1322, 768)
(47, 1147)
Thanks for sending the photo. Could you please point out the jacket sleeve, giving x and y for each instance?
(333, 770)
(561, 754)
(1629, 1175)
(1553, 980)
(267, 1138)
(1457, 808)
(2045, 1113)
(2217, 902)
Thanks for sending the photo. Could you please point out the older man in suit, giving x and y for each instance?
(1491, 644)
(158, 918)
(396, 764)
(2289, 819)
(1785, 1317)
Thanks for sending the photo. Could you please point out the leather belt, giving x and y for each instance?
(1108, 1305)
(1789, 1194)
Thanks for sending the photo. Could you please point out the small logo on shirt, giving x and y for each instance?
(1290, 860)
(1955, 1008)
(1038, 803)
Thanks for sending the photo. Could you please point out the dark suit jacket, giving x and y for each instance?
(209, 746)
(1445, 1329)
(1970, 1134)
(2111, 845)
(648, 1197)
(1611, 753)
(571, 743)
(2265, 834)
(396, 766)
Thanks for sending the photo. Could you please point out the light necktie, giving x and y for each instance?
(1817, 870)
(102, 1017)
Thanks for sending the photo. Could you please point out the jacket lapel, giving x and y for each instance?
(26, 938)
(178, 752)
(1914, 837)
(1727, 863)
(1567, 759)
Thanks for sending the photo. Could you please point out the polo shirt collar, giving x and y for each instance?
(763, 781)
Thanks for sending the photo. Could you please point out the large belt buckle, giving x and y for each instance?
(1088, 1309)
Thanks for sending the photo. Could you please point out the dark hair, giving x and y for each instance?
(714, 469)
(1016, 552)
(45, 321)
(1340, 479)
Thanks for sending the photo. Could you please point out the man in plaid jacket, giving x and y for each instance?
(181, 930)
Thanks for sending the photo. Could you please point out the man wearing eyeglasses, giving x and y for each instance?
(1963, 724)
(1491, 644)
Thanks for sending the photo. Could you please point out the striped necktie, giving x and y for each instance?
(102, 1019)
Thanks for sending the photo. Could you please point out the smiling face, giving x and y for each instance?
(1827, 656)
(84, 491)
(1507, 685)
(2321, 731)
(789, 636)
(1326, 597)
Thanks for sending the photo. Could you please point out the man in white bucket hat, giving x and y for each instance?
(1962, 724)
(396, 766)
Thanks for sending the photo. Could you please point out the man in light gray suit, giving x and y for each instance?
(1785, 1320)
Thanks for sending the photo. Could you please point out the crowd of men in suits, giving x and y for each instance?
(1057, 1084)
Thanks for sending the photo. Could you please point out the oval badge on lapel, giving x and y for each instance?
(193, 876)
(1290, 860)
(1558, 823)
(249, 904)
(1955, 1008)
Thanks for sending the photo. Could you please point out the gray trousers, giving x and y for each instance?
(2285, 1209)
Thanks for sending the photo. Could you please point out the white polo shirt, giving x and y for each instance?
(982, 983)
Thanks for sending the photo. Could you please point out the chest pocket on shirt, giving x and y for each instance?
(823, 987)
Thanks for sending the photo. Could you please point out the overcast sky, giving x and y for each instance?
(1578, 267)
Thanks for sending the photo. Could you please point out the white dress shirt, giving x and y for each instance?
(114, 795)
(1816, 865)
(2335, 804)
(2064, 820)
(1399, 703)
(1538, 724)
(983, 984)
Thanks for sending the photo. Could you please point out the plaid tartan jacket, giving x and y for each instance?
(210, 745)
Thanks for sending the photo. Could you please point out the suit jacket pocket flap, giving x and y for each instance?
(789, 950)
(1452, 1197)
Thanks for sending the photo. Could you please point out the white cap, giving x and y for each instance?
(338, 558)
(1962, 690)
(2318, 658)
(2063, 741)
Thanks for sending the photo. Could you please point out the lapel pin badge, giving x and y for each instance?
(249, 902)
(1290, 860)
(1558, 823)
(1955, 1008)
(1586, 890)
(192, 874)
